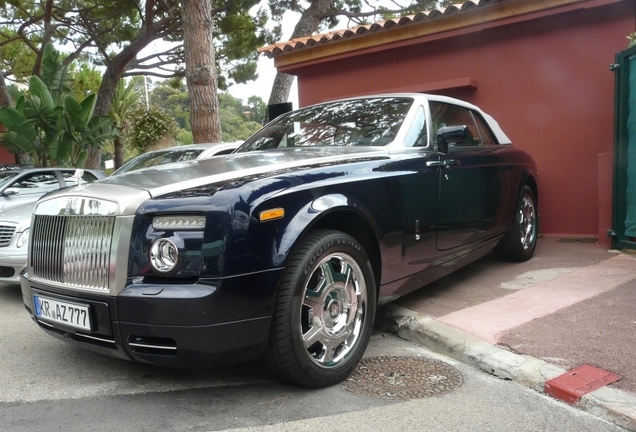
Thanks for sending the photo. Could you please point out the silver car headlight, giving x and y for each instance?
(164, 255)
(23, 238)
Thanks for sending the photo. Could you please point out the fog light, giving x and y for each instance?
(164, 255)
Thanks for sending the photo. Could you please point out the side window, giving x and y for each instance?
(37, 183)
(416, 136)
(69, 180)
(457, 119)
(223, 152)
(486, 136)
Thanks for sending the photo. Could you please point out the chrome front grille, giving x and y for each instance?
(72, 250)
(6, 234)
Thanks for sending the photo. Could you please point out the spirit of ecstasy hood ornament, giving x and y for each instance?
(79, 173)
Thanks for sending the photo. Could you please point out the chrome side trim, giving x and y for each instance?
(44, 323)
(95, 338)
(78, 334)
(157, 347)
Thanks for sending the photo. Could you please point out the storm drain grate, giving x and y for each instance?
(402, 378)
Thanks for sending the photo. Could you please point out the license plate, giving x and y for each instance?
(61, 312)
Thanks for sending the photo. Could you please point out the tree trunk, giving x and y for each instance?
(200, 73)
(306, 26)
(5, 101)
(48, 34)
(119, 153)
(113, 74)
(280, 88)
(104, 99)
(5, 98)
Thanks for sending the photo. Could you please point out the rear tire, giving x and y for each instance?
(520, 241)
(324, 311)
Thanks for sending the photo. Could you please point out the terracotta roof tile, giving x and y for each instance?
(332, 36)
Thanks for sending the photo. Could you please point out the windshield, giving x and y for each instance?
(357, 122)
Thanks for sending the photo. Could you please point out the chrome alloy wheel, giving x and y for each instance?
(333, 309)
(527, 222)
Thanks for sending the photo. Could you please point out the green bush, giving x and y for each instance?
(149, 125)
(48, 124)
(184, 137)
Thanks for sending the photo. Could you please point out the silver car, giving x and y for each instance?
(21, 185)
(14, 238)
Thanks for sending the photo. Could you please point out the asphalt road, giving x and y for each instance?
(46, 385)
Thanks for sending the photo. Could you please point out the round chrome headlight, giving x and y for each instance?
(164, 255)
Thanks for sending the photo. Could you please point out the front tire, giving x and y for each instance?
(324, 311)
(520, 241)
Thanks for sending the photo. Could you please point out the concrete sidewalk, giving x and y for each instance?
(572, 304)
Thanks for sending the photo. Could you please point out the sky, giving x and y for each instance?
(266, 71)
(263, 85)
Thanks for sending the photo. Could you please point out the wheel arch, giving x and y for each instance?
(355, 225)
(341, 217)
(532, 183)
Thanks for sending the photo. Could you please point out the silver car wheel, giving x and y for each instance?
(324, 311)
(333, 309)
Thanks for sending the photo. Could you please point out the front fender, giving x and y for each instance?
(313, 213)
(268, 245)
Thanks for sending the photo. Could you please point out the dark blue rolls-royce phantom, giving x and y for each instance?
(284, 249)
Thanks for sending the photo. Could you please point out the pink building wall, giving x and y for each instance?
(546, 81)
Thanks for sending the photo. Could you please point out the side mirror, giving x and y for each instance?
(452, 136)
(11, 191)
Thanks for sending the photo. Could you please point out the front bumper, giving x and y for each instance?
(206, 323)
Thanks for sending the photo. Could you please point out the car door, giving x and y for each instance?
(470, 194)
(420, 191)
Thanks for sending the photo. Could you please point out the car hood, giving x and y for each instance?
(23, 200)
(122, 194)
(172, 177)
(19, 215)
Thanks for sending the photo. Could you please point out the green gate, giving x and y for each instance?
(624, 211)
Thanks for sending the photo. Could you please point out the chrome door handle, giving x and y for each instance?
(444, 163)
